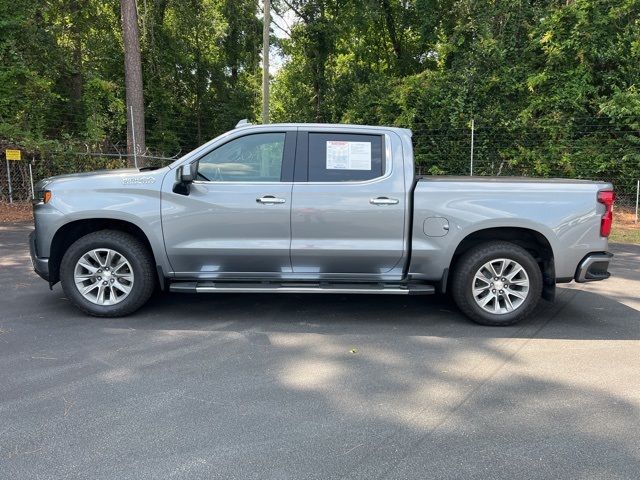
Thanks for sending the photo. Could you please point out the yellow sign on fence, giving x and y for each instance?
(13, 154)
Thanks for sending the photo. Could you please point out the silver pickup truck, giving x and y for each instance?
(300, 208)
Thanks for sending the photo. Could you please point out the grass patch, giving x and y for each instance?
(625, 235)
(625, 229)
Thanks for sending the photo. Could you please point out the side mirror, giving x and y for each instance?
(184, 178)
(188, 173)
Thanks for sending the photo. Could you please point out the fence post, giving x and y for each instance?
(637, 198)
(472, 134)
(33, 194)
(9, 181)
(133, 138)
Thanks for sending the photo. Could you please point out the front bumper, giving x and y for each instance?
(594, 267)
(40, 265)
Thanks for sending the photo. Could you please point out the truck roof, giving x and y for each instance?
(350, 126)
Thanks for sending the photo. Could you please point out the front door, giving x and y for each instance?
(235, 220)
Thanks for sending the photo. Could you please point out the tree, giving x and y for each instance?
(133, 79)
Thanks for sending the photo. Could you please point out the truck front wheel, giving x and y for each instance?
(107, 273)
(497, 283)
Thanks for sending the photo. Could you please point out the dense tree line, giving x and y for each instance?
(552, 85)
(62, 71)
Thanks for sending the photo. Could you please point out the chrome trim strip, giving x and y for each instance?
(238, 288)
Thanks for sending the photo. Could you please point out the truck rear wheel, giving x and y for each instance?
(108, 273)
(497, 283)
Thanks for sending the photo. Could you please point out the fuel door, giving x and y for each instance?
(436, 227)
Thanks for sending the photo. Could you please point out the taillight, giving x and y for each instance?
(606, 197)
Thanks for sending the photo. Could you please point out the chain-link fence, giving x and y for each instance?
(17, 178)
(607, 153)
(595, 150)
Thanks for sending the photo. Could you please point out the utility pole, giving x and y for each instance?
(265, 61)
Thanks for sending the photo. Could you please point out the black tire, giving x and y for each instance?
(463, 279)
(136, 253)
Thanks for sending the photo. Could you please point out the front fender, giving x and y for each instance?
(135, 203)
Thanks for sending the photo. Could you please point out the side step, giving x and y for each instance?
(292, 287)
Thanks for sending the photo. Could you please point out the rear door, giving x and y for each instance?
(349, 205)
(235, 220)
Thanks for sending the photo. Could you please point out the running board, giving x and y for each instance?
(290, 287)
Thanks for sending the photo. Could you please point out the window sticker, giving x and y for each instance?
(348, 155)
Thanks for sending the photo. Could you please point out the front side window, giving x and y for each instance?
(339, 157)
(252, 158)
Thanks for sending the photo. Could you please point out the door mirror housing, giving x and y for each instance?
(185, 176)
(188, 173)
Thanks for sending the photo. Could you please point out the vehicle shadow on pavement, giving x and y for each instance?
(578, 314)
(575, 314)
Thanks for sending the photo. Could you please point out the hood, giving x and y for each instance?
(97, 174)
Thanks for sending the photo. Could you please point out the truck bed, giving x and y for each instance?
(448, 209)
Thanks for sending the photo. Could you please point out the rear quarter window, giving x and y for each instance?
(345, 157)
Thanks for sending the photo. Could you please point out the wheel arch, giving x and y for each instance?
(536, 243)
(72, 231)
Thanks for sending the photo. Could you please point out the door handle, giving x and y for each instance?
(270, 200)
(384, 201)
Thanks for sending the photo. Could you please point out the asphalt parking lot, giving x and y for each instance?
(292, 386)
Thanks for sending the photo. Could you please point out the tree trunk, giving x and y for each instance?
(393, 34)
(318, 87)
(133, 81)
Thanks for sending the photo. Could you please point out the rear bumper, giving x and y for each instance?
(40, 265)
(594, 267)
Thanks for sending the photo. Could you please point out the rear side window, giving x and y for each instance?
(336, 157)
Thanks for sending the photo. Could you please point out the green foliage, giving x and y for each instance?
(62, 75)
